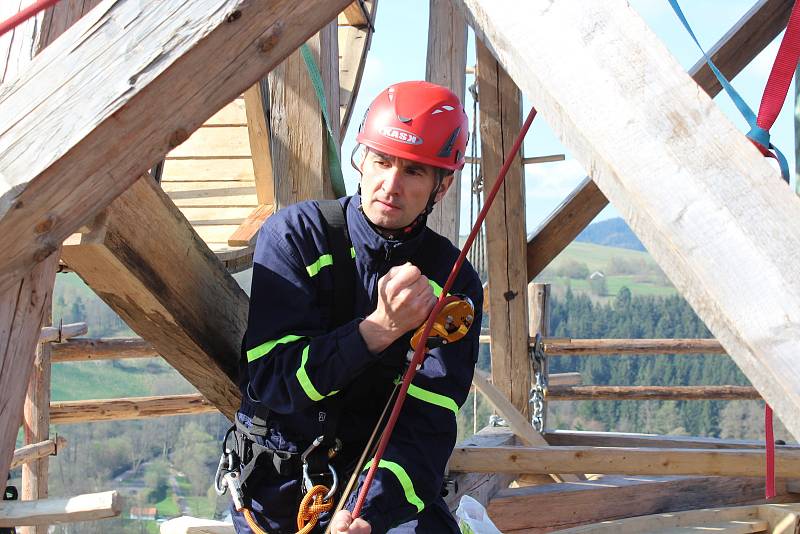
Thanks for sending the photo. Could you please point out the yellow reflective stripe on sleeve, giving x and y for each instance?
(433, 398)
(352, 252)
(264, 349)
(323, 261)
(437, 289)
(405, 482)
(305, 382)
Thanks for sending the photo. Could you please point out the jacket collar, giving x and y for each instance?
(373, 247)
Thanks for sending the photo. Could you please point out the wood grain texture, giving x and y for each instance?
(500, 122)
(258, 132)
(300, 166)
(89, 507)
(61, 163)
(194, 316)
(24, 306)
(79, 350)
(696, 205)
(572, 393)
(62, 332)
(32, 452)
(354, 43)
(88, 411)
(737, 48)
(560, 506)
(245, 235)
(446, 65)
(620, 439)
(611, 347)
(623, 461)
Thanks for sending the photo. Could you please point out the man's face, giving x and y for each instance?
(395, 191)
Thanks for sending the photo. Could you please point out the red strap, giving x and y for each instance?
(30, 11)
(782, 72)
(770, 445)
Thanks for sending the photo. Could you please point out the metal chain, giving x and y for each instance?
(539, 389)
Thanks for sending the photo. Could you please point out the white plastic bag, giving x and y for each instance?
(472, 517)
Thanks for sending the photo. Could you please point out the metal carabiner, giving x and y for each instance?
(307, 482)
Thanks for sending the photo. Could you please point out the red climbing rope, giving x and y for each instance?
(420, 349)
(25, 14)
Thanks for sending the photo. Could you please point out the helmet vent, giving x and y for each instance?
(448, 146)
(404, 120)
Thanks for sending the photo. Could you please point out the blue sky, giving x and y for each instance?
(398, 53)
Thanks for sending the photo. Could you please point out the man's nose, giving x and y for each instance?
(391, 179)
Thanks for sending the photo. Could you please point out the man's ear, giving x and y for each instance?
(447, 181)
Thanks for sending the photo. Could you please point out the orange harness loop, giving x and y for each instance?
(311, 507)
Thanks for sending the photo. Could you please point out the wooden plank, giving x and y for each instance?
(89, 507)
(246, 234)
(209, 215)
(352, 15)
(17, 45)
(79, 350)
(194, 316)
(623, 461)
(21, 317)
(446, 64)
(560, 506)
(299, 155)
(258, 134)
(222, 170)
(217, 235)
(481, 486)
(232, 114)
(500, 121)
(62, 332)
(90, 411)
(517, 422)
(120, 76)
(564, 379)
(34, 451)
(612, 347)
(354, 43)
(723, 186)
(36, 416)
(216, 142)
(737, 48)
(597, 393)
(619, 439)
(211, 194)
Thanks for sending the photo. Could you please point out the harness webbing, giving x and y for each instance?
(419, 352)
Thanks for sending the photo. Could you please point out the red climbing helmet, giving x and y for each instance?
(417, 121)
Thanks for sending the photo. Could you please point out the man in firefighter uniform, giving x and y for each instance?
(304, 376)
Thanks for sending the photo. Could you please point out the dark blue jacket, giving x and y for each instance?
(293, 360)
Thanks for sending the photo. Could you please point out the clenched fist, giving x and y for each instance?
(343, 523)
(405, 299)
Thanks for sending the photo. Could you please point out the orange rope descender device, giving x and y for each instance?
(441, 304)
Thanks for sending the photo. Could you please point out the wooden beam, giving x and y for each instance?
(560, 506)
(352, 15)
(89, 507)
(85, 411)
(518, 424)
(612, 347)
(36, 419)
(299, 144)
(623, 461)
(620, 439)
(63, 332)
(480, 486)
(737, 48)
(500, 121)
(21, 315)
(354, 43)
(696, 229)
(34, 451)
(255, 106)
(194, 316)
(80, 350)
(573, 393)
(446, 64)
(564, 379)
(247, 232)
(120, 75)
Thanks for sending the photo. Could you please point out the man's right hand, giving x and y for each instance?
(405, 299)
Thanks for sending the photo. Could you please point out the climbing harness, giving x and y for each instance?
(538, 392)
(420, 347)
(780, 77)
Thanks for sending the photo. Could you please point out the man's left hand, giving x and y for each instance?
(343, 523)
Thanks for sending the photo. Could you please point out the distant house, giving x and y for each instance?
(596, 274)
(143, 513)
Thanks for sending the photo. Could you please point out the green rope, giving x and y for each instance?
(337, 180)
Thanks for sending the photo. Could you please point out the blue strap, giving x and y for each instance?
(756, 133)
(335, 164)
